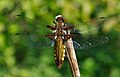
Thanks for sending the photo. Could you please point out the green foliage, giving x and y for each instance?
(17, 60)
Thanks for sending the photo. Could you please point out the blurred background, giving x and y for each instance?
(17, 60)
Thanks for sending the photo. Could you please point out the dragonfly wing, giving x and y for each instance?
(89, 34)
(30, 32)
(89, 43)
(27, 25)
(89, 26)
(32, 41)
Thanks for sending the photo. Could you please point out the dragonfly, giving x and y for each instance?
(36, 34)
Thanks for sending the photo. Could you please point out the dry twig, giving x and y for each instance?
(72, 58)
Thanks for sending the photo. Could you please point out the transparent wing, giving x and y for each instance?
(32, 41)
(30, 32)
(89, 34)
(29, 25)
(93, 27)
(89, 43)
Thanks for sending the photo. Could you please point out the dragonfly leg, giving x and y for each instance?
(51, 27)
(68, 27)
(50, 36)
(67, 36)
(54, 22)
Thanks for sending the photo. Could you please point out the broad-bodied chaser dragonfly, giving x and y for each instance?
(84, 35)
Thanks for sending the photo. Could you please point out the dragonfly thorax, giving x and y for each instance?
(59, 29)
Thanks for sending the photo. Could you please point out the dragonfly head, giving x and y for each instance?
(60, 18)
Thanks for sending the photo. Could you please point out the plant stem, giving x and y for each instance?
(72, 58)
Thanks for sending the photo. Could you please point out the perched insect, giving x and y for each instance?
(59, 37)
(84, 36)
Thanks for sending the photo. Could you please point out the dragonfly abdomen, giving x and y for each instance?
(59, 52)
